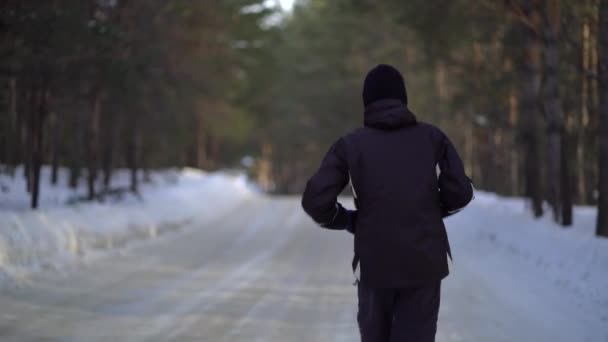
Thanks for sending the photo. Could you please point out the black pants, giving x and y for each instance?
(406, 314)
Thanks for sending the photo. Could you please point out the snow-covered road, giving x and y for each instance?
(264, 272)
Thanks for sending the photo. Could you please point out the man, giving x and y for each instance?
(406, 177)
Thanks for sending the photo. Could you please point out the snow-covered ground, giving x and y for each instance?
(255, 268)
(539, 268)
(57, 234)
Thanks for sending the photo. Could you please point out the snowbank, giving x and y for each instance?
(57, 234)
(536, 260)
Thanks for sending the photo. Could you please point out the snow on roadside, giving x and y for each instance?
(56, 234)
(536, 264)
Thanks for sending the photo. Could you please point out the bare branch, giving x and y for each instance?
(518, 13)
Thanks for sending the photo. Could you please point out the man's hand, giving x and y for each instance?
(342, 219)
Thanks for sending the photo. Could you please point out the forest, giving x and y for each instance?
(519, 86)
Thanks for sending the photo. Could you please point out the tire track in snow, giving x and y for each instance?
(267, 301)
(245, 275)
(141, 302)
(145, 301)
(230, 284)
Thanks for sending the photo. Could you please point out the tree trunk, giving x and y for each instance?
(107, 163)
(441, 87)
(74, 174)
(552, 106)
(27, 136)
(131, 154)
(37, 141)
(5, 128)
(75, 151)
(264, 168)
(566, 180)
(13, 145)
(513, 155)
(21, 116)
(602, 213)
(54, 147)
(214, 151)
(109, 124)
(55, 168)
(134, 182)
(530, 113)
(592, 143)
(583, 121)
(200, 142)
(93, 144)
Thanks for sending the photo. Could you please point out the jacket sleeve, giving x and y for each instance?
(455, 188)
(320, 198)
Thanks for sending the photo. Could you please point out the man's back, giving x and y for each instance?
(392, 164)
(401, 246)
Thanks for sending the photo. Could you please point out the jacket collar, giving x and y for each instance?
(388, 114)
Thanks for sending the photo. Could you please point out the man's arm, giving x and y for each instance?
(455, 188)
(320, 199)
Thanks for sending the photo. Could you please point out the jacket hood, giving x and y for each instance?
(383, 82)
(388, 114)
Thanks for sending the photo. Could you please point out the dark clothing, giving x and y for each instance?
(384, 82)
(407, 314)
(401, 244)
(392, 161)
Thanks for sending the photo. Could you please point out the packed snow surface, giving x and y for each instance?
(249, 267)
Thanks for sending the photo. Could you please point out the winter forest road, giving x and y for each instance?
(262, 273)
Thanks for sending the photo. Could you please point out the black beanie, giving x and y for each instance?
(384, 82)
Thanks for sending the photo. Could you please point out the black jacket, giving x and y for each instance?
(401, 197)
